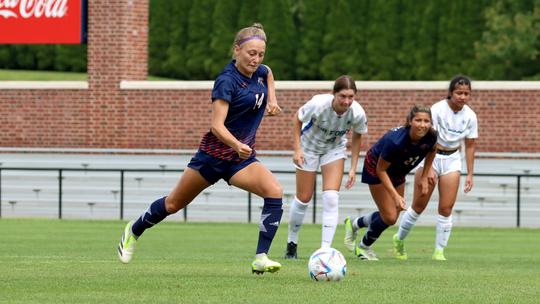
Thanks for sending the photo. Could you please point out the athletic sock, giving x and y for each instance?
(330, 200)
(408, 220)
(155, 213)
(297, 213)
(270, 218)
(363, 221)
(443, 230)
(375, 229)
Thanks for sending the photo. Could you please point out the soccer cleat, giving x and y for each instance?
(126, 247)
(365, 253)
(290, 253)
(399, 248)
(438, 255)
(263, 264)
(350, 235)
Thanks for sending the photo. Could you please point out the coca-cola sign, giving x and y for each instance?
(42, 21)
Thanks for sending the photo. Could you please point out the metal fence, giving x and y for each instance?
(249, 204)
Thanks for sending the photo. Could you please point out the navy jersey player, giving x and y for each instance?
(242, 93)
(456, 123)
(386, 164)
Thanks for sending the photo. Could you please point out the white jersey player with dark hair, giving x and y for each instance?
(455, 123)
(320, 129)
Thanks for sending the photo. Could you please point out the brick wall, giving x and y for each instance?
(105, 116)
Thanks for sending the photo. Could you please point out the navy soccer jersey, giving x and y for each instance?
(396, 148)
(247, 102)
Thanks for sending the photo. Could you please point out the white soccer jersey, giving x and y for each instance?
(452, 126)
(324, 130)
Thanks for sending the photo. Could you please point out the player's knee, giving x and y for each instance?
(304, 197)
(274, 190)
(445, 211)
(389, 219)
(330, 200)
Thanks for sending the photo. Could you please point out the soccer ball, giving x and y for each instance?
(327, 264)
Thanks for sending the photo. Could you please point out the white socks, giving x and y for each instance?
(408, 220)
(330, 200)
(296, 218)
(444, 228)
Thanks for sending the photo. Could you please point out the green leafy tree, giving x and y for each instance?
(70, 58)
(248, 13)
(176, 53)
(412, 12)
(200, 28)
(510, 46)
(312, 25)
(384, 39)
(277, 20)
(225, 29)
(461, 25)
(158, 41)
(425, 55)
(45, 56)
(338, 44)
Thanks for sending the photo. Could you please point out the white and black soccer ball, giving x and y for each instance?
(327, 264)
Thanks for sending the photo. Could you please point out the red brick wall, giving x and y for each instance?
(106, 117)
(176, 119)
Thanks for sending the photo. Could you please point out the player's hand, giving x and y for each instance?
(352, 179)
(243, 150)
(468, 183)
(400, 203)
(432, 178)
(272, 109)
(424, 186)
(298, 158)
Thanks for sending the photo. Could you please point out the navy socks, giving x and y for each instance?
(375, 229)
(270, 218)
(155, 213)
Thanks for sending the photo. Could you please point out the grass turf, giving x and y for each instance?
(61, 261)
(26, 75)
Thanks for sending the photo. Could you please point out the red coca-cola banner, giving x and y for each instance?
(42, 21)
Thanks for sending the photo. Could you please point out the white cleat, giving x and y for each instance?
(126, 247)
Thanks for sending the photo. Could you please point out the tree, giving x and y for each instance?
(199, 30)
(510, 45)
(175, 64)
(428, 36)
(278, 24)
(338, 44)
(225, 28)
(384, 39)
(158, 41)
(311, 32)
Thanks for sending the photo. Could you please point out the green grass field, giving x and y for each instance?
(24, 75)
(61, 261)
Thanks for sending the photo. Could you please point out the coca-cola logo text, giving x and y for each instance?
(33, 8)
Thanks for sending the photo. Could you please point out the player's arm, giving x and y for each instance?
(298, 154)
(469, 157)
(356, 144)
(382, 167)
(220, 108)
(272, 106)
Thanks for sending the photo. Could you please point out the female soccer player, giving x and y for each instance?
(326, 120)
(239, 100)
(386, 164)
(455, 122)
